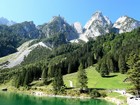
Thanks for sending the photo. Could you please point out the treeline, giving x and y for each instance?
(13, 36)
(111, 52)
(117, 52)
(27, 74)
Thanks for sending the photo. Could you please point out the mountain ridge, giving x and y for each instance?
(4, 21)
(57, 31)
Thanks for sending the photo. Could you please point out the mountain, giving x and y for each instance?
(78, 27)
(25, 29)
(22, 52)
(57, 31)
(97, 25)
(13, 36)
(58, 25)
(101, 25)
(126, 24)
(4, 21)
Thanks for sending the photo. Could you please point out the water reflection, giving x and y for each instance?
(20, 99)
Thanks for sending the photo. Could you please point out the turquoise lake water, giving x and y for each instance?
(19, 99)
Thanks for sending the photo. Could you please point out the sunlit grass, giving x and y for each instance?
(96, 81)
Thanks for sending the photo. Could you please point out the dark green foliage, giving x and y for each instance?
(37, 54)
(28, 78)
(117, 50)
(13, 36)
(104, 70)
(44, 75)
(57, 81)
(110, 64)
(94, 94)
(122, 64)
(106, 50)
(82, 79)
(51, 70)
(134, 73)
(69, 68)
(27, 74)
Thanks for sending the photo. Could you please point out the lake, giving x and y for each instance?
(20, 99)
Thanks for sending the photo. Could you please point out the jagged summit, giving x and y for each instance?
(97, 25)
(126, 24)
(4, 21)
(58, 25)
(57, 18)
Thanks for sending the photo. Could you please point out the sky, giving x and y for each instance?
(41, 11)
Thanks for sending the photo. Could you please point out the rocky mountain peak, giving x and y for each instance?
(126, 24)
(4, 21)
(58, 25)
(57, 19)
(26, 29)
(78, 27)
(97, 25)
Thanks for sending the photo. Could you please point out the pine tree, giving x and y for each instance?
(44, 74)
(69, 68)
(57, 81)
(82, 79)
(122, 64)
(51, 70)
(28, 77)
(26, 80)
(110, 64)
(134, 76)
(17, 81)
(104, 70)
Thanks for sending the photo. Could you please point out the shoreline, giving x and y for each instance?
(108, 99)
(39, 93)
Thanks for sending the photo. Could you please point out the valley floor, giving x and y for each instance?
(114, 86)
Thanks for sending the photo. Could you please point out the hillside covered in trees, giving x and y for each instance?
(13, 36)
(112, 53)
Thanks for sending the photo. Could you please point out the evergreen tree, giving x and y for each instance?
(134, 76)
(51, 70)
(110, 64)
(44, 75)
(122, 64)
(89, 61)
(104, 70)
(28, 78)
(82, 79)
(133, 58)
(57, 81)
(17, 81)
(69, 68)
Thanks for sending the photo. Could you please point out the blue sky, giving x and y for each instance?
(41, 11)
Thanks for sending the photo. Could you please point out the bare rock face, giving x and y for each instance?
(126, 24)
(58, 25)
(97, 25)
(78, 27)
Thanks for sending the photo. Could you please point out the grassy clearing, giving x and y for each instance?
(116, 95)
(115, 81)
